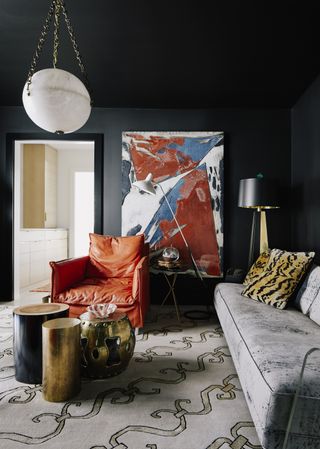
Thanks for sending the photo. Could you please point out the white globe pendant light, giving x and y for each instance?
(54, 99)
(57, 101)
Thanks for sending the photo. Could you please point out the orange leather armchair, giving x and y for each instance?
(115, 271)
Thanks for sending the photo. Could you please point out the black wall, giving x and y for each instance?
(306, 171)
(255, 141)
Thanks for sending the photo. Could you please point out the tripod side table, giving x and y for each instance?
(170, 276)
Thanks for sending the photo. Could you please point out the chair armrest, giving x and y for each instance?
(140, 287)
(67, 272)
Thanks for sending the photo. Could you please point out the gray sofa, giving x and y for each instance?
(268, 347)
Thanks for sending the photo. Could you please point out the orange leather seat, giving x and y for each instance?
(115, 271)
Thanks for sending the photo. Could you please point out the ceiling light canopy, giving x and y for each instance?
(54, 99)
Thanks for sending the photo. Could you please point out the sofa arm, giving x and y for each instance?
(67, 272)
(140, 287)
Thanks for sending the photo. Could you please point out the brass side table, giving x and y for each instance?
(107, 344)
(61, 359)
(170, 276)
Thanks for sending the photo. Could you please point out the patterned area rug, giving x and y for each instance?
(180, 391)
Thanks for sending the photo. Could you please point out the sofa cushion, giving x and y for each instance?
(309, 290)
(314, 312)
(277, 282)
(308, 298)
(114, 257)
(257, 268)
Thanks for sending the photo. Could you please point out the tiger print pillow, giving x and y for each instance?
(257, 268)
(277, 282)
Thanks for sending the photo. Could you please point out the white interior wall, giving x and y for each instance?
(69, 162)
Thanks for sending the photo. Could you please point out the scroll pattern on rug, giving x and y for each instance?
(180, 391)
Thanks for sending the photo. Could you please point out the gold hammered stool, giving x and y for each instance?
(107, 344)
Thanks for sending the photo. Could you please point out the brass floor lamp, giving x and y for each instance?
(257, 194)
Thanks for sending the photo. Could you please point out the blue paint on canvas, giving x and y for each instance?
(196, 147)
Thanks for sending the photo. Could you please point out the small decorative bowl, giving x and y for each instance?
(102, 310)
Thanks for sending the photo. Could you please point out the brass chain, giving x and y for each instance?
(41, 41)
(55, 9)
(75, 47)
(56, 33)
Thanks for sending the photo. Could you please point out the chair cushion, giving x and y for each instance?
(99, 291)
(281, 276)
(114, 257)
(257, 268)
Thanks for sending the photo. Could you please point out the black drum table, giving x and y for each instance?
(27, 338)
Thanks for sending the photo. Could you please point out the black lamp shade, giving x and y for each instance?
(257, 193)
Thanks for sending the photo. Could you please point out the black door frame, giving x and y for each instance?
(7, 199)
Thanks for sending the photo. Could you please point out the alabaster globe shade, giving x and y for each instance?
(58, 102)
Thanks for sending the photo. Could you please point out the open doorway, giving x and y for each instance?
(53, 216)
(83, 211)
(7, 183)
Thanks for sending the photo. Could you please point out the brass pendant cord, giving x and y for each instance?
(56, 34)
(56, 7)
(41, 41)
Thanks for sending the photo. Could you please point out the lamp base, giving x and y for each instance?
(264, 245)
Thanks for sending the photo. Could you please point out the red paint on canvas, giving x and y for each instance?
(194, 214)
(153, 155)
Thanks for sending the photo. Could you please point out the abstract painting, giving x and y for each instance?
(189, 168)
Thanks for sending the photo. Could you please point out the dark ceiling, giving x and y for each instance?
(172, 53)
